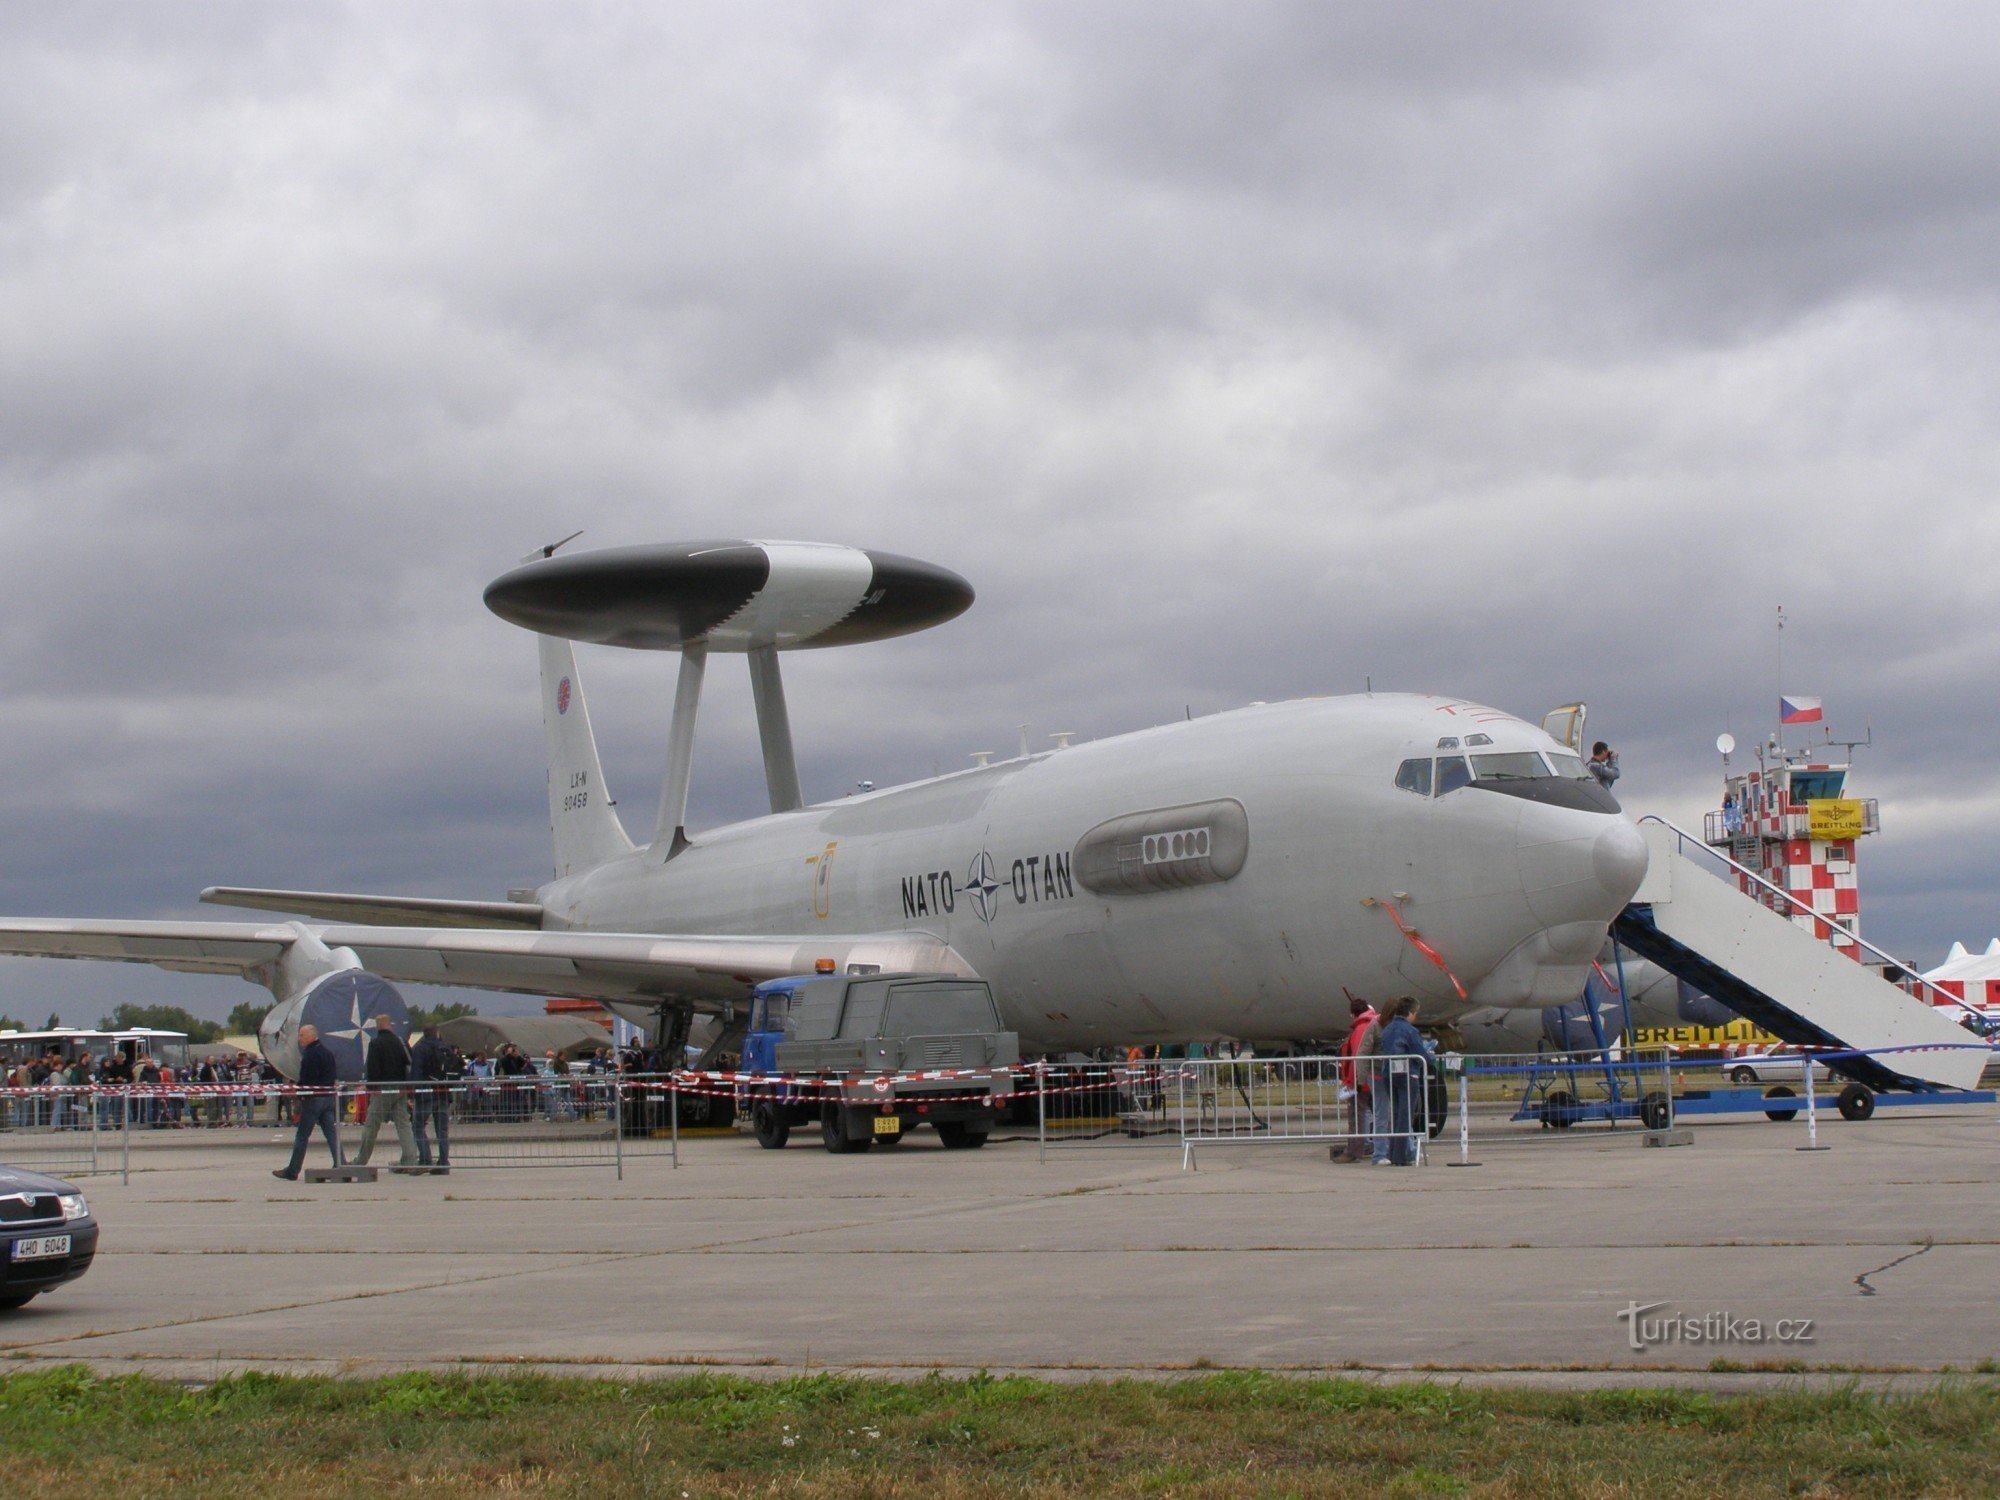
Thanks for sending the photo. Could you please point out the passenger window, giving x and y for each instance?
(1415, 776)
(1452, 773)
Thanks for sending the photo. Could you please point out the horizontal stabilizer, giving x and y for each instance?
(379, 911)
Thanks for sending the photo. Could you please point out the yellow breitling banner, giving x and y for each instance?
(1699, 1038)
(1831, 818)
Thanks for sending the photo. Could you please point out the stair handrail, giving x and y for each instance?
(1789, 899)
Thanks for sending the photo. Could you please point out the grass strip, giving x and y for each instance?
(67, 1431)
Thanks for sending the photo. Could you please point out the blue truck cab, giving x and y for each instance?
(770, 1004)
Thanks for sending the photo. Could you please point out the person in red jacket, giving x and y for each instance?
(1355, 1081)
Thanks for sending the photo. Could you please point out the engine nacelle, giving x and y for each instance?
(344, 1007)
(330, 991)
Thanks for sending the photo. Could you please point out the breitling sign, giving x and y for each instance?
(1835, 818)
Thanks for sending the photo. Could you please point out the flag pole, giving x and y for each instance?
(1781, 679)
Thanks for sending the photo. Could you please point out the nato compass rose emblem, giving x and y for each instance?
(981, 886)
(562, 696)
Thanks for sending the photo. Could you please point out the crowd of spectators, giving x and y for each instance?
(46, 1090)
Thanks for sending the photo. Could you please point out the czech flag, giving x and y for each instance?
(1799, 711)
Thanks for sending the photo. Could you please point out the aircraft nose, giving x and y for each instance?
(1618, 859)
(1575, 872)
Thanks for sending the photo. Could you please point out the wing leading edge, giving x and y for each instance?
(704, 972)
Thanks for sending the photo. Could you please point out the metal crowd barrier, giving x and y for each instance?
(601, 1119)
(1385, 1117)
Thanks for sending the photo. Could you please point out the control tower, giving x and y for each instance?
(1792, 821)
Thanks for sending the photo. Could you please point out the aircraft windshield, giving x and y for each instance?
(1520, 765)
(1453, 773)
(1568, 765)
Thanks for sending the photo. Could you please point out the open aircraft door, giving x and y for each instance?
(1565, 725)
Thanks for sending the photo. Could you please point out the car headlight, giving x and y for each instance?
(73, 1207)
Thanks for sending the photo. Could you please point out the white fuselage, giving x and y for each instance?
(1513, 895)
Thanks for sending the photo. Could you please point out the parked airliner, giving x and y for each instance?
(1240, 875)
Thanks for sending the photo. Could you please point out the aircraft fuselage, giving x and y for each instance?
(1296, 845)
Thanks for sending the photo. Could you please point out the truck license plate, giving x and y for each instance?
(888, 1124)
(43, 1248)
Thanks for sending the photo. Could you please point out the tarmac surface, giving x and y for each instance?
(1100, 1262)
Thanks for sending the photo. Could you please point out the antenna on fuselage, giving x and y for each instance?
(553, 547)
(753, 598)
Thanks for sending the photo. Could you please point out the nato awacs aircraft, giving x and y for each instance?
(1239, 875)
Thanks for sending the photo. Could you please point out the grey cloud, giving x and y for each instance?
(1523, 353)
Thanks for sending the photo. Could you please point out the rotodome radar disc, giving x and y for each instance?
(728, 595)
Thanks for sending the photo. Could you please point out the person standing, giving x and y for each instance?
(1603, 764)
(316, 1108)
(387, 1073)
(1360, 1092)
(1409, 1059)
(436, 1066)
(1367, 1066)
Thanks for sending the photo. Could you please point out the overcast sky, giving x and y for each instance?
(1523, 352)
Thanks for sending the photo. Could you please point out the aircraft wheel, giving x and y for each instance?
(833, 1131)
(1857, 1102)
(1742, 1075)
(1656, 1112)
(772, 1126)
(1559, 1110)
(959, 1136)
(1780, 1114)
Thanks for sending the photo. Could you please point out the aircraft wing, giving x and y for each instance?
(702, 971)
(393, 911)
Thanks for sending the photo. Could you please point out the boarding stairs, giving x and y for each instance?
(1705, 930)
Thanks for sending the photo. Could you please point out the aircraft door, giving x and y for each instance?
(1565, 725)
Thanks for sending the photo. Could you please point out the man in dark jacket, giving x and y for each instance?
(316, 1108)
(1406, 1056)
(438, 1065)
(387, 1073)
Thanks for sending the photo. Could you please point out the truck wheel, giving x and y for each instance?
(833, 1130)
(1857, 1102)
(959, 1136)
(772, 1126)
(1656, 1112)
(1780, 1115)
(1559, 1110)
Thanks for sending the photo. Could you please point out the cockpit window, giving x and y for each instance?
(1415, 776)
(1452, 773)
(1509, 765)
(1570, 766)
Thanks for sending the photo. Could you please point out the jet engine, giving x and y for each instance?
(327, 988)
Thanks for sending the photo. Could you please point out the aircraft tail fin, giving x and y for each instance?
(585, 824)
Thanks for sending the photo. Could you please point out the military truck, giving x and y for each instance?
(872, 1057)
